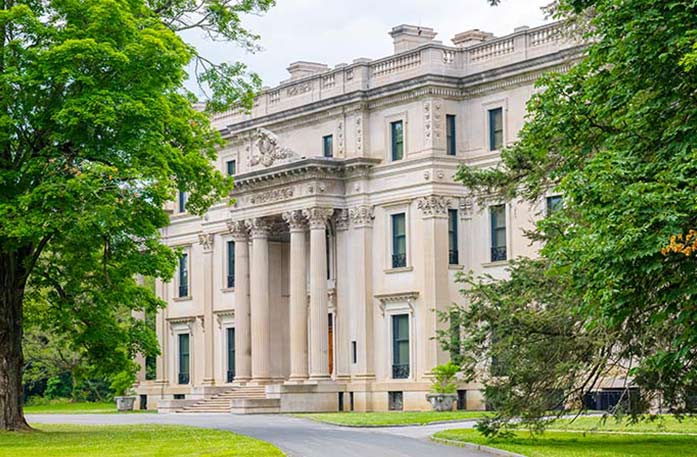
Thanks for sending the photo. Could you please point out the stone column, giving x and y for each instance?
(243, 342)
(361, 290)
(319, 327)
(436, 293)
(206, 242)
(298, 296)
(342, 320)
(259, 295)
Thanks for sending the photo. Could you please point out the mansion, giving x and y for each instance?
(317, 289)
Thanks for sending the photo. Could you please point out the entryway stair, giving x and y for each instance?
(238, 400)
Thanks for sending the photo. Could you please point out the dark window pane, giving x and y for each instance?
(453, 255)
(495, 129)
(553, 203)
(328, 146)
(182, 201)
(231, 168)
(498, 233)
(400, 346)
(231, 264)
(397, 136)
(184, 275)
(399, 241)
(183, 377)
(230, 354)
(451, 141)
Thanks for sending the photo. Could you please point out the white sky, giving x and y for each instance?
(338, 31)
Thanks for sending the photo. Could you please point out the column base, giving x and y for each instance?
(241, 380)
(319, 378)
(260, 381)
(208, 382)
(296, 380)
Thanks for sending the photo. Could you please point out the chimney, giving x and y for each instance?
(301, 69)
(471, 37)
(406, 37)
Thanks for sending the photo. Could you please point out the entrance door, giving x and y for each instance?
(330, 337)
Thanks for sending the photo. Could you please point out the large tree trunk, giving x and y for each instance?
(13, 279)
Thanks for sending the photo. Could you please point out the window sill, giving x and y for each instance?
(187, 298)
(398, 270)
(456, 266)
(498, 263)
(226, 290)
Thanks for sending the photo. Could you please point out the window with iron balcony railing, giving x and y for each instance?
(453, 257)
(400, 371)
(498, 253)
(183, 378)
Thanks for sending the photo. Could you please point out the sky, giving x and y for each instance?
(339, 31)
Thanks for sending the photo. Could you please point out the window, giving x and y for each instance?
(553, 203)
(183, 197)
(451, 142)
(461, 400)
(354, 352)
(397, 140)
(328, 146)
(184, 275)
(453, 255)
(395, 401)
(399, 241)
(231, 264)
(400, 346)
(231, 167)
(498, 233)
(183, 377)
(495, 129)
(230, 354)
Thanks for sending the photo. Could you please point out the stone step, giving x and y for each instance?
(255, 406)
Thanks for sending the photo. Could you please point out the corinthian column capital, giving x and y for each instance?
(295, 220)
(318, 217)
(361, 216)
(239, 231)
(259, 227)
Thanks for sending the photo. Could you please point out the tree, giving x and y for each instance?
(96, 137)
(617, 136)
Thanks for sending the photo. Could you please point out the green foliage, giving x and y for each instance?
(122, 382)
(617, 136)
(444, 378)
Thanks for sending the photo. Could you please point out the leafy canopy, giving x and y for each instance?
(617, 136)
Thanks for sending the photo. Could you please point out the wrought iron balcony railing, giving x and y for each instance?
(183, 378)
(400, 371)
(183, 291)
(231, 280)
(399, 260)
(453, 257)
(498, 253)
(230, 375)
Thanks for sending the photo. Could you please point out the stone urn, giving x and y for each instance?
(125, 403)
(442, 402)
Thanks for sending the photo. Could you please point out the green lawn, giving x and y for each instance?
(666, 424)
(570, 444)
(131, 441)
(391, 418)
(66, 407)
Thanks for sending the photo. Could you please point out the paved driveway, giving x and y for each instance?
(296, 437)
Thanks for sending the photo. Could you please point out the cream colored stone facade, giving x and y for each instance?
(316, 283)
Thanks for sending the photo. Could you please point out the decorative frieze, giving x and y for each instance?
(359, 133)
(434, 205)
(295, 220)
(206, 242)
(298, 89)
(361, 216)
(271, 195)
(465, 208)
(318, 217)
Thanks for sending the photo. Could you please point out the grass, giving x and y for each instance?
(131, 441)
(64, 406)
(571, 444)
(378, 419)
(662, 424)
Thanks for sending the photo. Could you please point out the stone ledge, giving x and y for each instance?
(171, 406)
(476, 447)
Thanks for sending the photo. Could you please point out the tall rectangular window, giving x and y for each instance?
(231, 167)
(231, 264)
(397, 140)
(400, 346)
(183, 377)
(453, 254)
(495, 129)
(328, 146)
(230, 354)
(399, 241)
(498, 232)
(553, 203)
(184, 275)
(451, 142)
(182, 201)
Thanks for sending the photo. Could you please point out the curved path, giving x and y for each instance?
(296, 437)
